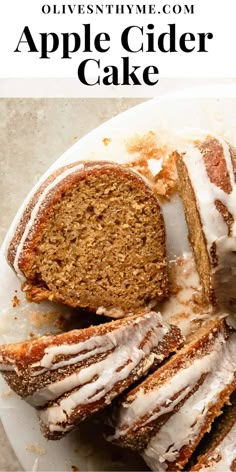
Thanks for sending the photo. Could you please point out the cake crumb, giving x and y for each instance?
(155, 163)
(115, 313)
(145, 145)
(106, 141)
(39, 319)
(15, 301)
(36, 449)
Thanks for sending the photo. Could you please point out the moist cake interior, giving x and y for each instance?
(98, 231)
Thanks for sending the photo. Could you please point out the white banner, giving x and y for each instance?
(121, 45)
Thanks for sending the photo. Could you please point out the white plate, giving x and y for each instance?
(211, 108)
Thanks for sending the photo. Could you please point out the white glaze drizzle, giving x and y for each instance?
(155, 166)
(95, 345)
(36, 208)
(35, 212)
(226, 450)
(145, 403)
(126, 344)
(207, 193)
(214, 227)
(184, 426)
(115, 367)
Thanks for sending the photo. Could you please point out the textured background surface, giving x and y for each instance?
(33, 134)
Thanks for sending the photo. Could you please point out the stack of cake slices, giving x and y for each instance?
(93, 237)
(72, 375)
(216, 451)
(166, 415)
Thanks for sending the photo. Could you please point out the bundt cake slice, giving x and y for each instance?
(166, 416)
(219, 446)
(69, 376)
(93, 236)
(207, 173)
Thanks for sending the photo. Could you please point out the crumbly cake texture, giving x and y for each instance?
(219, 449)
(155, 163)
(72, 375)
(92, 236)
(166, 416)
(207, 176)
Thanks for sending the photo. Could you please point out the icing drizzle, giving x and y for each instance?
(166, 444)
(35, 212)
(130, 346)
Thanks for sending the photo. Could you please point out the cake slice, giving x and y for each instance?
(206, 173)
(165, 416)
(220, 445)
(72, 375)
(92, 236)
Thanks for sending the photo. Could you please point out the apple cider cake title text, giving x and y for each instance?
(133, 40)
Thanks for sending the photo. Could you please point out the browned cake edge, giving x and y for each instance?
(213, 413)
(138, 436)
(196, 234)
(212, 153)
(35, 291)
(22, 355)
(170, 344)
(219, 430)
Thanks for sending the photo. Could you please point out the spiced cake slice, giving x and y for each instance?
(207, 173)
(92, 236)
(69, 376)
(219, 446)
(165, 416)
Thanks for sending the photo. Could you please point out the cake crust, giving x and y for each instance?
(160, 418)
(148, 270)
(207, 186)
(72, 375)
(217, 450)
